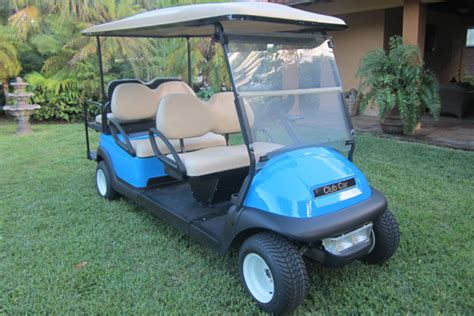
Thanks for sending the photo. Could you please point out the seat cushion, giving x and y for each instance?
(143, 147)
(222, 158)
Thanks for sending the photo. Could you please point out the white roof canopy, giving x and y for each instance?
(198, 20)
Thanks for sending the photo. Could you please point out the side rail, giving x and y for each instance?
(94, 125)
(124, 143)
(175, 168)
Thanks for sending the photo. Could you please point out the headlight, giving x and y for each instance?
(339, 244)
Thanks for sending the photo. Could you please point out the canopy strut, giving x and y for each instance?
(101, 69)
(241, 114)
(190, 76)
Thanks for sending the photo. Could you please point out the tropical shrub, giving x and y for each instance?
(61, 65)
(58, 98)
(398, 79)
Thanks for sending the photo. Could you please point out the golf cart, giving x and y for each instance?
(288, 190)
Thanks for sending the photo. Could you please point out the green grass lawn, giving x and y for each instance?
(52, 219)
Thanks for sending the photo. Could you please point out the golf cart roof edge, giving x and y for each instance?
(198, 20)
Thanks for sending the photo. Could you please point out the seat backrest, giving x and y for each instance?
(152, 84)
(133, 102)
(185, 116)
(173, 87)
(136, 101)
(226, 120)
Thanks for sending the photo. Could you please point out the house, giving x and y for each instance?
(439, 28)
(444, 32)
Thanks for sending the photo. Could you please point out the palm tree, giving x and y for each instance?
(9, 64)
(79, 10)
(32, 16)
(25, 20)
(137, 53)
(53, 28)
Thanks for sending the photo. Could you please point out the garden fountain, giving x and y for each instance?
(21, 109)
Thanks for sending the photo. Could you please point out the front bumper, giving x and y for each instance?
(315, 228)
(335, 261)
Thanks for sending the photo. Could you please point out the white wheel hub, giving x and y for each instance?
(101, 182)
(258, 278)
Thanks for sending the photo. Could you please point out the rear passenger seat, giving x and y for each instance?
(185, 116)
(132, 102)
(132, 93)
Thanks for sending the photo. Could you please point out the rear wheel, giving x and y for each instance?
(385, 238)
(104, 183)
(273, 272)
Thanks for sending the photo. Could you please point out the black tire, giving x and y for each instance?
(104, 189)
(387, 239)
(287, 271)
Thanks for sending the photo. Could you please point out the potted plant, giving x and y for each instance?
(399, 85)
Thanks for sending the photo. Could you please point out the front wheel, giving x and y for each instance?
(385, 238)
(273, 272)
(104, 183)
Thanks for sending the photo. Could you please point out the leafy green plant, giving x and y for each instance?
(62, 64)
(397, 79)
(205, 93)
(9, 64)
(467, 82)
(58, 97)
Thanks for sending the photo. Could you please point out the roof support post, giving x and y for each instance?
(242, 115)
(101, 68)
(102, 86)
(190, 75)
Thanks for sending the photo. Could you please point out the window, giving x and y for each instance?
(470, 37)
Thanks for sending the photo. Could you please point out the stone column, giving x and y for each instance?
(414, 23)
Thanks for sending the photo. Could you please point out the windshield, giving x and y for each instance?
(293, 88)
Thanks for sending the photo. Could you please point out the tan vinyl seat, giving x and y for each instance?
(143, 147)
(134, 101)
(222, 158)
(182, 116)
(173, 87)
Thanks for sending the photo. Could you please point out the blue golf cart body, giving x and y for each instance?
(271, 159)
